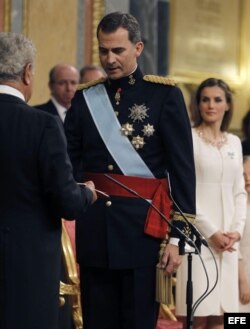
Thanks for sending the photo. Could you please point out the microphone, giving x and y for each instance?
(180, 233)
(193, 228)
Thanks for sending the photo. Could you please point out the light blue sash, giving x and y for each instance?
(119, 146)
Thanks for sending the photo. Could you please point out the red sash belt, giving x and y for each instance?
(148, 188)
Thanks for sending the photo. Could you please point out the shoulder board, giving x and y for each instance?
(90, 83)
(159, 79)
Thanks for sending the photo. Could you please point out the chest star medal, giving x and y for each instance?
(148, 130)
(138, 142)
(138, 112)
(127, 129)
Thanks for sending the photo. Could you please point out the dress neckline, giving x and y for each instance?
(217, 144)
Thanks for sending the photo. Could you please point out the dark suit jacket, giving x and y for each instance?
(37, 190)
(65, 311)
(246, 147)
(48, 107)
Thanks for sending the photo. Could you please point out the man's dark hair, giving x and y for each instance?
(111, 22)
(90, 67)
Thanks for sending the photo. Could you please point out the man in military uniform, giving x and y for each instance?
(136, 129)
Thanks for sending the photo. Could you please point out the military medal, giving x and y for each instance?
(127, 129)
(148, 130)
(138, 112)
(118, 96)
(138, 142)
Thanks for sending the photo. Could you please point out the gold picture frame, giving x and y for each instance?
(205, 41)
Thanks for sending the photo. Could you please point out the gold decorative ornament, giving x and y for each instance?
(138, 112)
(178, 216)
(110, 167)
(71, 288)
(148, 130)
(187, 231)
(127, 129)
(138, 142)
(98, 11)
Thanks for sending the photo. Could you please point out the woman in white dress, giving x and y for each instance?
(244, 261)
(221, 207)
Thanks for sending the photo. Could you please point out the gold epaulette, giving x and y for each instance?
(159, 79)
(90, 83)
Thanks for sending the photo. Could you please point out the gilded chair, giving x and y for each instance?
(167, 310)
(71, 288)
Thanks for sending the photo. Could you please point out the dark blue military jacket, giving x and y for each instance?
(113, 235)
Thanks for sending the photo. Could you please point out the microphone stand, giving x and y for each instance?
(189, 293)
(199, 240)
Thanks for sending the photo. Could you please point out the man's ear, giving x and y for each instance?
(28, 74)
(139, 48)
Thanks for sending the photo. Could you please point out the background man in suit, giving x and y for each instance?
(91, 72)
(63, 81)
(37, 189)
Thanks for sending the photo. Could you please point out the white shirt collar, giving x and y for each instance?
(60, 109)
(133, 70)
(4, 89)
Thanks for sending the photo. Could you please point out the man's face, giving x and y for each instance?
(118, 55)
(64, 84)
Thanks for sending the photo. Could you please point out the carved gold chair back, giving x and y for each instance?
(71, 288)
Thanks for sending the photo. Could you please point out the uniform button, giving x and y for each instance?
(108, 203)
(110, 167)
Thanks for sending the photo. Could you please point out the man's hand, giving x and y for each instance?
(171, 259)
(90, 185)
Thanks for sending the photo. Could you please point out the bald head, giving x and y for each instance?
(63, 82)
